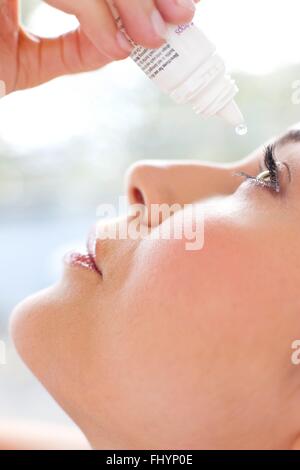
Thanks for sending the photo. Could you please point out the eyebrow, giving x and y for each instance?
(291, 137)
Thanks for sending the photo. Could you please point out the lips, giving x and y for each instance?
(85, 260)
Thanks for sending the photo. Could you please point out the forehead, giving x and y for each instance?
(287, 148)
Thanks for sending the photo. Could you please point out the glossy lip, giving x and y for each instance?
(85, 260)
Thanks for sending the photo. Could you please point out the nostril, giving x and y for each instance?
(137, 196)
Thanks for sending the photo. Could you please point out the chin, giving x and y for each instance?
(37, 336)
(43, 325)
(51, 333)
(28, 327)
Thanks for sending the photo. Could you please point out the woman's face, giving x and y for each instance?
(172, 348)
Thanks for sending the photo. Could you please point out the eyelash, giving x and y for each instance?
(273, 166)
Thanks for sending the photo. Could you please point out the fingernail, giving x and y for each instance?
(123, 42)
(189, 4)
(158, 24)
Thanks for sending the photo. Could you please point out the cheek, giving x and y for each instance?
(216, 302)
(177, 336)
(161, 338)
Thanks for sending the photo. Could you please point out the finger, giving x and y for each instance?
(44, 59)
(176, 11)
(143, 22)
(99, 26)
(9, 14)
(146, 20)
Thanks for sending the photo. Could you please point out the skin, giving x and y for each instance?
(170, 349)
(173, 349)
(27, 60)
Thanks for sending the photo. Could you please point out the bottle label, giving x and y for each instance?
(155, 61)
(185, 50)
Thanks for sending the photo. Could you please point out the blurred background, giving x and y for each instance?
(64, 148)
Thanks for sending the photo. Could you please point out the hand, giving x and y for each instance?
(27, 61)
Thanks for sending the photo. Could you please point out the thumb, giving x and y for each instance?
(42, 59)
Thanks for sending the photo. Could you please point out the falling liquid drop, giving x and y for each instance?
(242, 129)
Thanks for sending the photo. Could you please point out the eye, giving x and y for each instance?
(263, 179)
(264, 176)
(269, 178)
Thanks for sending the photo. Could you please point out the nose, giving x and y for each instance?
(165, 182)
(150, 183)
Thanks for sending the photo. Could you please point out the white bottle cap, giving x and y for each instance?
(232, 114)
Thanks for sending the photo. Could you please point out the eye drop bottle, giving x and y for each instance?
(189, 70)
